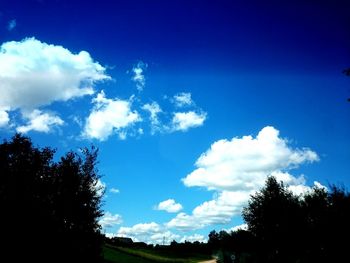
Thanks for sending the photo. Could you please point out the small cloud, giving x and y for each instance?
(170, 206)
(138, 75)
(182, 121)
(4, 118)
(11, 24)
(183, 99)
(114, 190)
(154, 109)
(109, 220)
(40, 122)
(109, 116)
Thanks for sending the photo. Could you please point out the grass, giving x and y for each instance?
(119, 254)
(112, 255)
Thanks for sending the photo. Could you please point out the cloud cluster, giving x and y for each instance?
(34, 74)
(109, 116)
(169, 206)
(237, 168)
(109, 220)
(151, 233)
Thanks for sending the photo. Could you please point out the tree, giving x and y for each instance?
(274, 217)
(49, 210)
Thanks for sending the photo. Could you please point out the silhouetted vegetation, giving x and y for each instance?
(283, 227)
(49, 209)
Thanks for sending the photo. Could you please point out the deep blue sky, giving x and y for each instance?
(246, 64)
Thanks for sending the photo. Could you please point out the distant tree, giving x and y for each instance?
(49, 210)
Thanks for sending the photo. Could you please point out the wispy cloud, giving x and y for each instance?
(182, 99)
(11, 24)
(138, 75)
(114, 190)
(153, 109)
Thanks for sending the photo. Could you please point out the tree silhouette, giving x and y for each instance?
(273, 217)
(49, 210)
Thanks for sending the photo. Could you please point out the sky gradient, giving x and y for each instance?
(192, 104)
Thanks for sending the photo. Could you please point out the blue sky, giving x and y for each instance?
(191, 103)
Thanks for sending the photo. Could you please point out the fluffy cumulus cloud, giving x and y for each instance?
(138, 75)
(151, 233)
(243, 163)
(39, 121)
(109, 116)
(109, 220)
(182, 121)
(153, 109)
(220, 210)
(183, 99)
(237, 168)
(11, 25)
(34, 73)
(169, 206)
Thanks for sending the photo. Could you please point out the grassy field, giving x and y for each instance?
(130, 255)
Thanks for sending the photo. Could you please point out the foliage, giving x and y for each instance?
(49, 208)
(289, 228)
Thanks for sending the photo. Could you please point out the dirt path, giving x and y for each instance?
(208, 261)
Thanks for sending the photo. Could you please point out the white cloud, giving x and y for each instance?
(138, 76)
(239, 227)
(220, 210)
(151, 233)
(154, 109)
(183, 99)
(33, 74)
(40, 122)
(109, 220)
(4, 118)
(170, 206)
(244, 163)
(109, 116)
(100, 187)
(238, 168)
(11, 24)
(193, 238)
(114, 190)
(182, 121)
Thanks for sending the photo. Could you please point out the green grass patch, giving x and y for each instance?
(112, 255)
(159, 256)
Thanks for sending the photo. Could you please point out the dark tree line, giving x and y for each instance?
(283, 227)
(49, 209)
